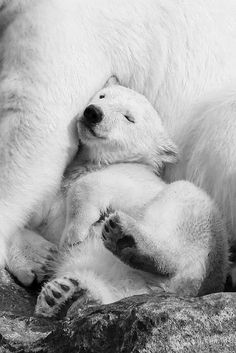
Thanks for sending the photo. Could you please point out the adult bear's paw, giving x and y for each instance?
(29, 257)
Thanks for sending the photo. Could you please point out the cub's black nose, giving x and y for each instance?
(92, 115)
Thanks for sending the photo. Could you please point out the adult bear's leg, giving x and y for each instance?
(47, 77)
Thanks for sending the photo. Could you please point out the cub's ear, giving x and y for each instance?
(112, 81)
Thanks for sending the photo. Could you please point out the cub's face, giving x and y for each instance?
(120, 125)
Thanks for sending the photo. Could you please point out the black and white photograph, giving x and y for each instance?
(118, 176)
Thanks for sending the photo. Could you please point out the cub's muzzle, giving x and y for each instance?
(92, 115)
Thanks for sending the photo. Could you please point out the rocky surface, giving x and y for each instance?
(141, 324)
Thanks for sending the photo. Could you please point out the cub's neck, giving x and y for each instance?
(82, 165)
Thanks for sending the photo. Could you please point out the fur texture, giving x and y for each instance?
(56, 54)
(173, 235)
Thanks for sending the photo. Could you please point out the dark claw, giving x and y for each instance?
(64, 287)
(112, 224)
(104, 236)
(74, 282)
(50, 301)
(106, 228)
(56, 294)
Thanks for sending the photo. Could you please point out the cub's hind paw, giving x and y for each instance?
(59, 291)
(54, 294)
(115, 234)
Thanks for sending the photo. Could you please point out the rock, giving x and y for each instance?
(140, 324)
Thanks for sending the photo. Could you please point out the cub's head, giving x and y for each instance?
(120, 125)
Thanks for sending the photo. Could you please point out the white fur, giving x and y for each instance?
(28, 257)
(56, 54)
(208, 152)
(178, 231)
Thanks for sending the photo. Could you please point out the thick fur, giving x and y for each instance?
(211, 123)
(56, 54)
(172, 232)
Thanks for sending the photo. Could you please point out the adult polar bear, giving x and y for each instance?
(56, 54)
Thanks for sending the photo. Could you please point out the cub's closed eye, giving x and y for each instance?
(128, 117)
(102, 96)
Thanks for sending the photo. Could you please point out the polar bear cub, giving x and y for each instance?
(155, 236)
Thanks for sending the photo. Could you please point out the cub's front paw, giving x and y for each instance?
(116, 235)
(29, 257)
(58, 292)
(123, 236)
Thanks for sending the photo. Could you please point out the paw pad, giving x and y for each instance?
(54, 294)
(114, 236)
